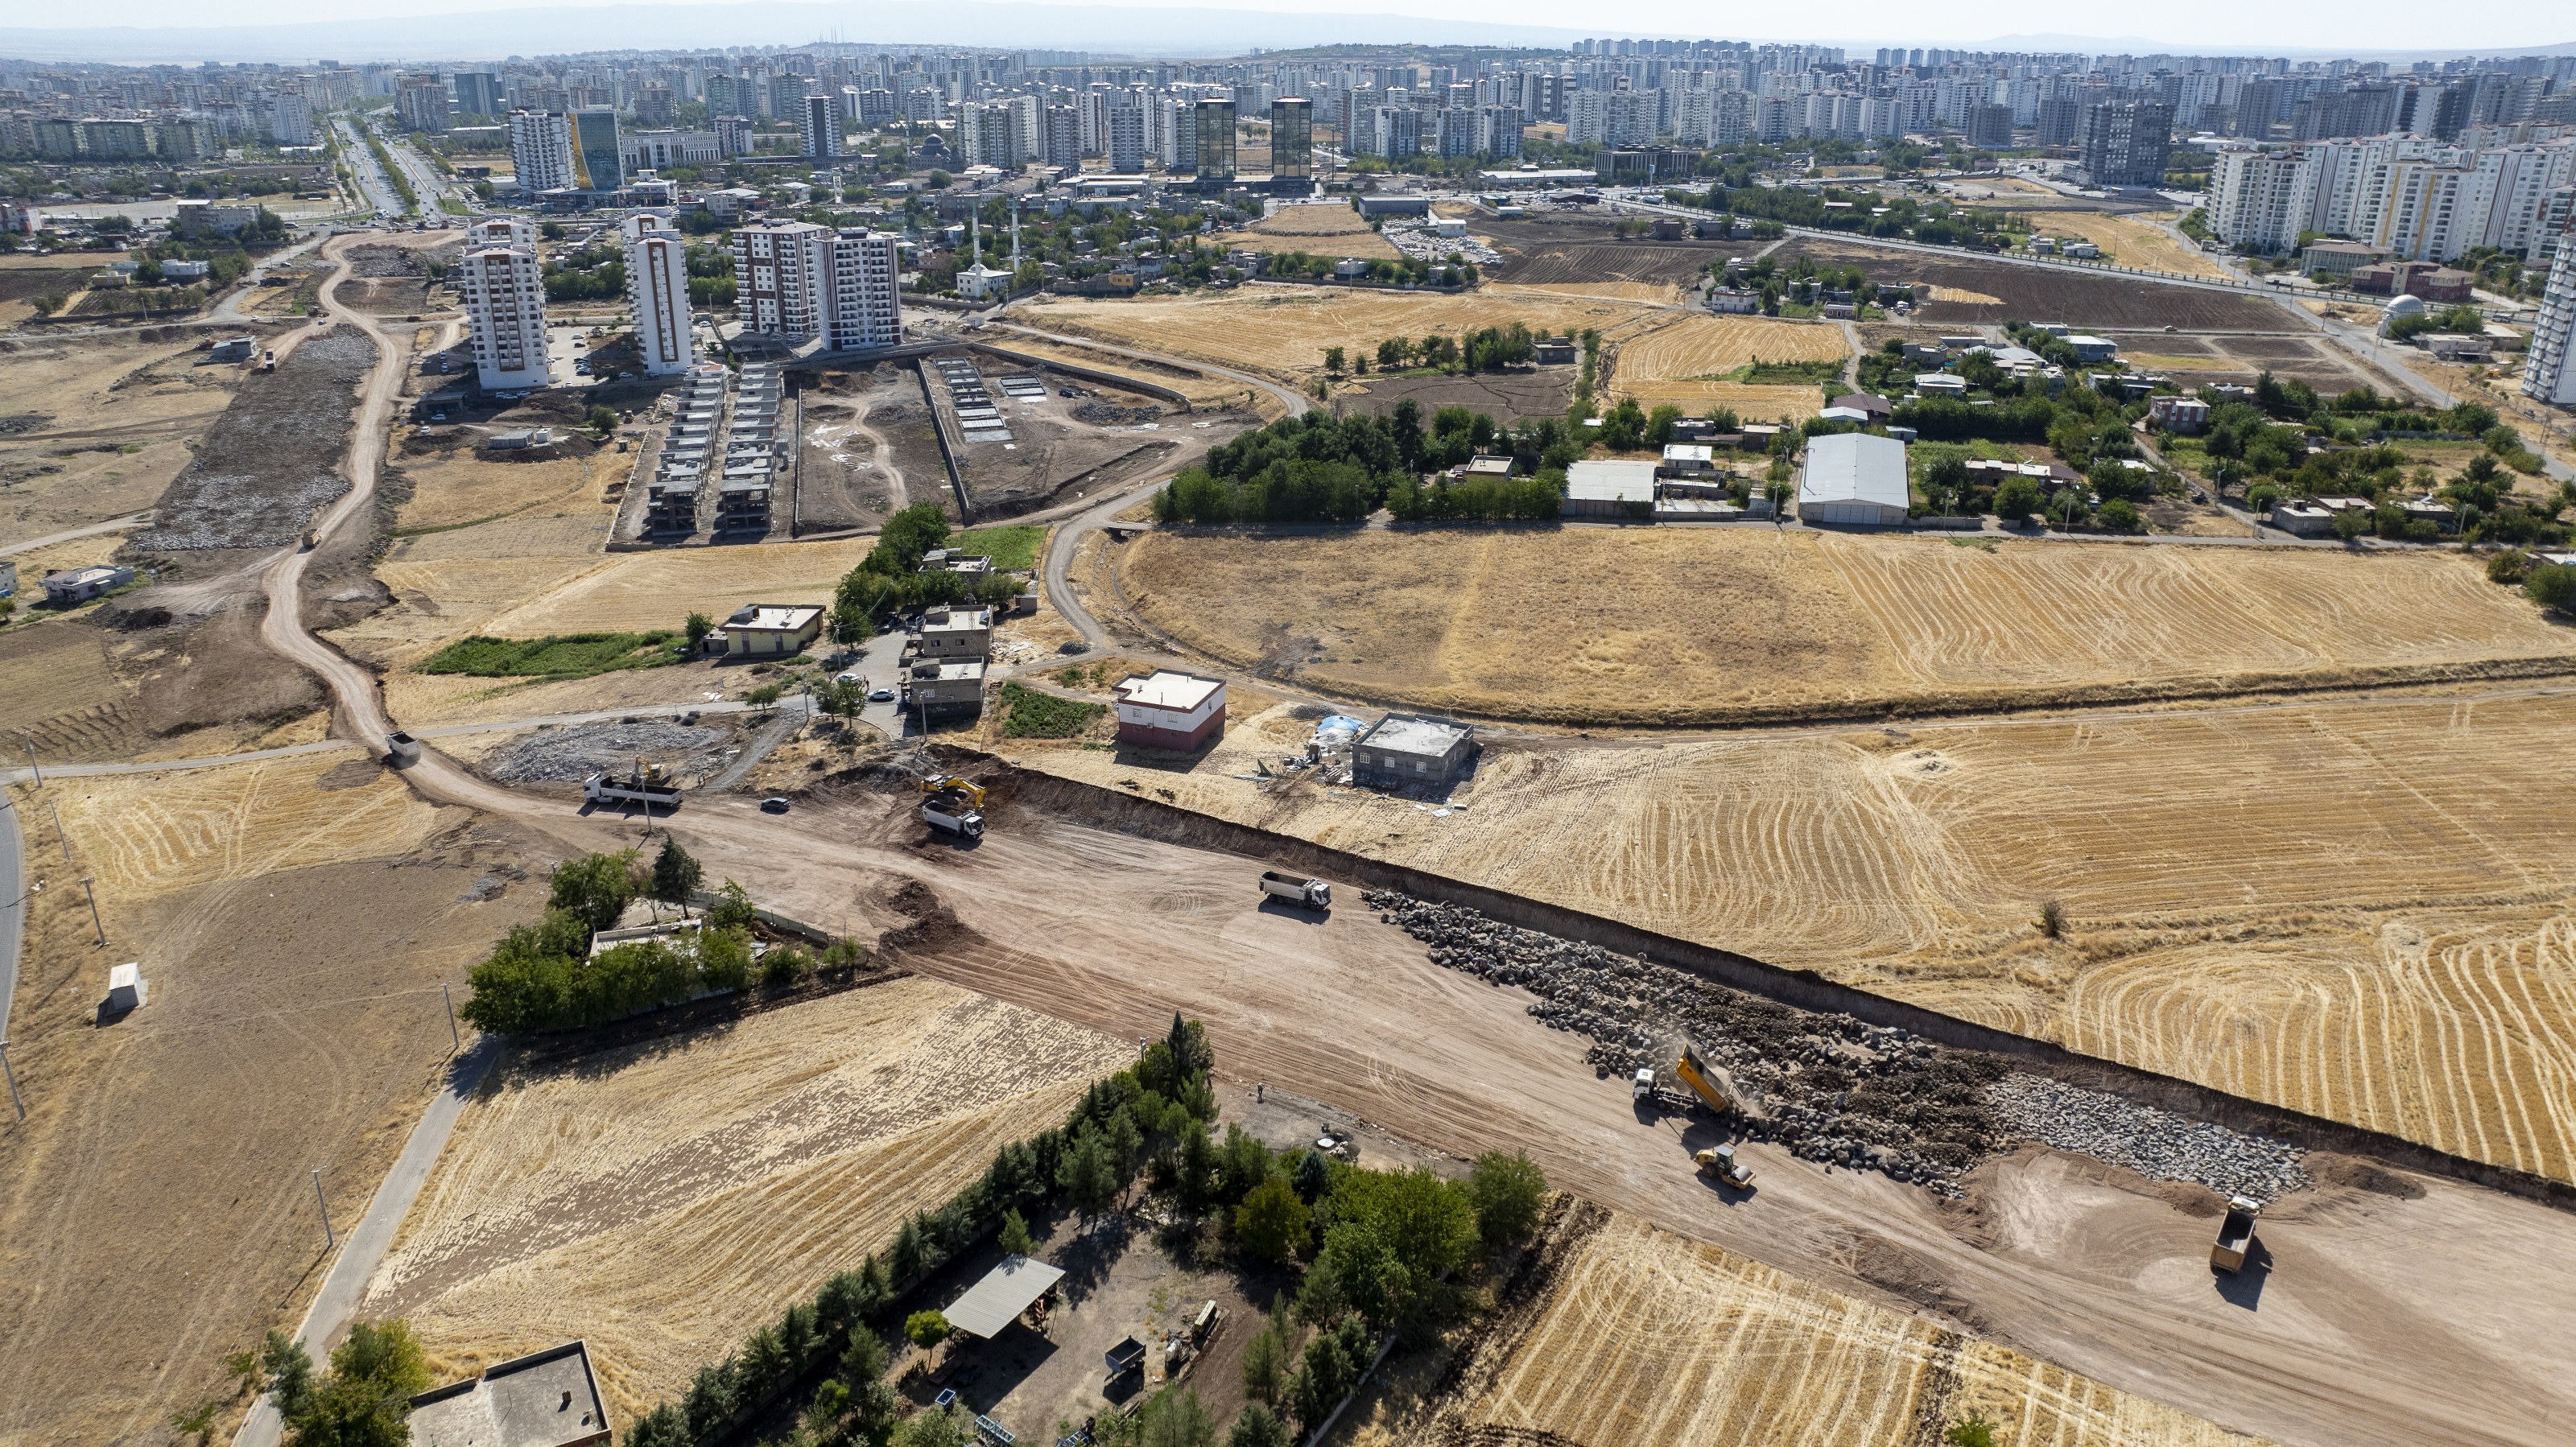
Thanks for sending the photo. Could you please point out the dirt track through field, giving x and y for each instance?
(2375, 1317)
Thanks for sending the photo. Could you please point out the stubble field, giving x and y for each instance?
(2131, 240)
(1735, 626)
(1650, 1337)
(663, 1199)
(1684, 363)
(1285, 329)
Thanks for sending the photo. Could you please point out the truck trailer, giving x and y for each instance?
(646, 785)
(951, 813)
(2235, 1235)
(1296, 889)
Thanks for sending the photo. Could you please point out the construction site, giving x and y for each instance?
(2113, 994)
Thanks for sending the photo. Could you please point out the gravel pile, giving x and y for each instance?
(272, 460)
(1102, 414)
(2152, 1142)
(1828, 1087)
(570, 755)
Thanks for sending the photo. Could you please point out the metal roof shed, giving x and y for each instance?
(1855, 479)
(996, 1301)
(1615, 488)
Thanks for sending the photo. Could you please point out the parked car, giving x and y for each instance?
(881, 695)
(773, 805)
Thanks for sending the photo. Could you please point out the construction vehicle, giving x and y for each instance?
(1718, 1164)
(967, 790)
(401, 750)
(268, 361)
(1711, 1083)
(1296, 889)
(953, 811)
(1644, 1086)
(648, 784)
(2235, 1234)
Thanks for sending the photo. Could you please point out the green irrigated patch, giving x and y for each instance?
(566, 655)
(1013, 549)
(1029, 714)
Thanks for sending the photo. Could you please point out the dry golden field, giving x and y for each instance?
(1964, 296)
(1334, 230)
(637, 591)
(1734, 625)
(109, 422)
(663, 1199)
(2358, 906)
(1202, 388)
(1684, 361)
(151, 834)
(2131, 240)
(1656, 292)
(1285, 329)
(1651, 1337)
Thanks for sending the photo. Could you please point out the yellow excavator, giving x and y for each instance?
(967, 790)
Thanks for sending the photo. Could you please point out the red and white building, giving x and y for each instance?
(1169, 710)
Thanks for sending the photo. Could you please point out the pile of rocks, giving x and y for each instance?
(2154, 1143)
(570, 755)
(1828, 1087)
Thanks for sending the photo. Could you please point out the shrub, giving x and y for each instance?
(569, 655)
(926, 1328)
(1030, 714)
(2052, 919)
(2016, 498)
(1506, 1192)
(786, 965)
(2552, 585)
(2121, 516)
(1972, 1430)
(2508, 566)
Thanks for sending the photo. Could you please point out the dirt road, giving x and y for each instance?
(2380, 1313)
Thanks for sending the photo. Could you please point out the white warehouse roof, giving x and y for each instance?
(1610, 482)
(1853, 470)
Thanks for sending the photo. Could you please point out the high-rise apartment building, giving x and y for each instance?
(1060, 139)
(2549, 373)
(1216, 140)
(541, 152)
(421, 103)
(818, 127)
(594, 132)
(798, 281)
(864, 308)
(657, 287)
(2124, 142)
(505, 300)
(1989, 127)
(478, 93)
(1499, 131)
(1126, 138)
(1292, 139)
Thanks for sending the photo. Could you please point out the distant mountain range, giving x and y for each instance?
(1107, 30)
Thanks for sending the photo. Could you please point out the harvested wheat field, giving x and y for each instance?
(1285, 329)
(1651, 1337)
(1686, 362)
(1665, 627)
(153, 834)
(665, 1198)
(1659, 293)
(2133, 241)
(1334, 230)
(635, 591)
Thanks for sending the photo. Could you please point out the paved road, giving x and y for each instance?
(1289, 397)
(13, 905)
(363, 1248)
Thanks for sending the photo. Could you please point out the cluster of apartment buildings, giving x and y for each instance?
(2407, 197)
(725, 431)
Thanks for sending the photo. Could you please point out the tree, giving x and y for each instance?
(1266, 1358)
(1506, 1192)
(1271, 1221)
(595, 887)
(2120, 516)
(1972, 1430)
(938, 1427)
(698, 626)
(1175, 1419)
(926, 1328)
(1314, 1177)
(2016, 499)
(1015, 1234)
(602, 420)
(2349, 523)
(732, 910)
(1258, 1427)
(366, 1398)
(1188, 1042)
(1087, 1174)
(675, 874)
(1333, 358)
(2552, 585)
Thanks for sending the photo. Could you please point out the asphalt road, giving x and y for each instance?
(13, 904)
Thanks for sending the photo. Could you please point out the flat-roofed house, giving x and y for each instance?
(1168, 709)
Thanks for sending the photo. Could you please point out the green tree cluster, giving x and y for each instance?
(889, 580)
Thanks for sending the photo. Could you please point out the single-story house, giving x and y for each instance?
(79, 585)
(1878, 408)
(1855, 479)
(2092, 348)
(1844, 414)
(767, 630)
(1689, 459)
(2302, 519)
(1168, 709)
(1609, 489)
(1940, 384)
(1404, 748)
(545, 1399)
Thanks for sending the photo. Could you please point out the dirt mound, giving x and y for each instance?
(2332, 1168)
(272, 459)
(1909, 1274)
(570, 755)
(932, 928)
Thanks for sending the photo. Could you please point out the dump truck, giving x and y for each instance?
(401, 749)
(1296, 889)
(954, 812)
(647, 784)
(2235, 1234)
(1718, 1164)
(1643, 1088)
(1710, 1083)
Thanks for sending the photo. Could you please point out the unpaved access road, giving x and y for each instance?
(2380, 1314)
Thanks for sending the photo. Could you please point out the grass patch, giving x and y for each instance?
(1983, 545)
(1787, 374)
(566, 655)
(1029, 714)
(1011, 549)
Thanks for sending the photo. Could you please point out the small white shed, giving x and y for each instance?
(126, 989)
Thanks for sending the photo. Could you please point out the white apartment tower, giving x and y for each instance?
(541, 151)
(506, 301)
(2549, 374)
(798, 281)
(1126, 132)
(818, 127)
(657, 285)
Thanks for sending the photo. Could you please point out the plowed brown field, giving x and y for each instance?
(1597, 626)
(663, 1199)
(1649, 1337)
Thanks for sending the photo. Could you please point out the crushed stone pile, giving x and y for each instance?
(1828, 1087)
(570, 755)
(1103, 414)
(272, 460)
(2154, 1143)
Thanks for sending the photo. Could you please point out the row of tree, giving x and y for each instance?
(1485, 349)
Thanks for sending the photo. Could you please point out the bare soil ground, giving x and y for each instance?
(159, 1209)
(662, 1199)
(2379, 1308)
(2034, 293)
(848, 472)
(272, 459)
(1204, 390)
(1736, 625)
(1507, 397)
(1665, 270)
(2132, 239)
(1641, 1335)
(1054, 451)
(93, 429)
(2197, 360)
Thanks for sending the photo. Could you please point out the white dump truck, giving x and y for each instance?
(1643, 1088)
(952, 812)
(646, 785)
(1296, 889)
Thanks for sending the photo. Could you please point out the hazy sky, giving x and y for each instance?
(2209, 26)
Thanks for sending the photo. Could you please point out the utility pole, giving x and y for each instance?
(93, 911)
(13, 1080)
(454, 1040)
(329, 1240)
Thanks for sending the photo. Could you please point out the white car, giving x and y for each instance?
(850, 677)
(881, 695)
